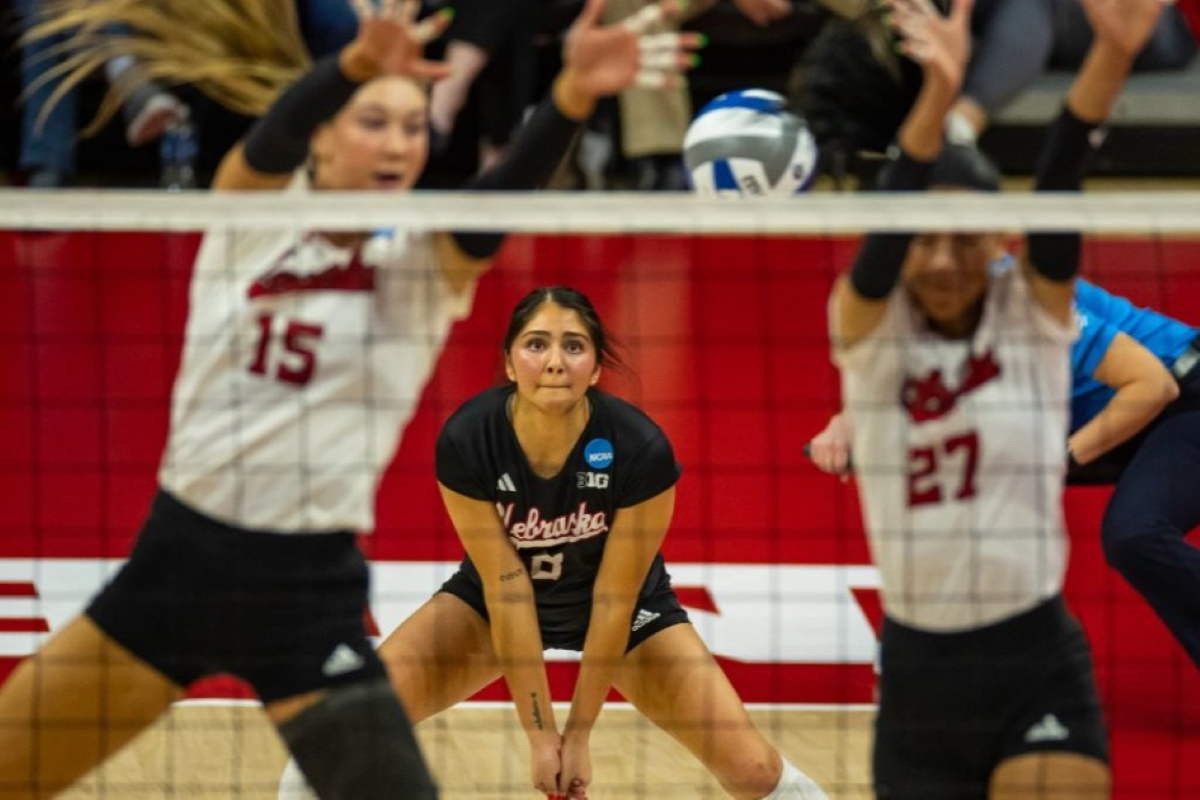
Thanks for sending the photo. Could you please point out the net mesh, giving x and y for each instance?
(722, 311)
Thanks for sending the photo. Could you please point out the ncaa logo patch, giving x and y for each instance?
(598, 453)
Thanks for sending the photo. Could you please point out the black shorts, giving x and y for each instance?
(284, 612)
(655, 611)
(952, 707)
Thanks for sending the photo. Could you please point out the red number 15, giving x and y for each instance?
(924, 483)
(298, 361)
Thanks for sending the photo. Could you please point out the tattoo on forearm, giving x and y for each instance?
(516, 573)
(537, 712)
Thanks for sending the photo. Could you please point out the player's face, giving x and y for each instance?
(380, 140)
(553, 359)
(947, 275)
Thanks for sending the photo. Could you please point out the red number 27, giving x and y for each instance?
(297, 362)
(925, 484)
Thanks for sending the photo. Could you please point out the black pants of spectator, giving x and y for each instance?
(1153, 508)
(504, 90)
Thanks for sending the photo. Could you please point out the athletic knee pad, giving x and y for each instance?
(356, 744)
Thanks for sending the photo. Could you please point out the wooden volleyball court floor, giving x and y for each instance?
(217, 750)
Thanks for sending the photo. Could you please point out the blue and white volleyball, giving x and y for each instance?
(746, 143)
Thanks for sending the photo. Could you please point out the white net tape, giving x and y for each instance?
(548, 212)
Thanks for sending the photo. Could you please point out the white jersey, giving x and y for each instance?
(959, 450)
(303, 361)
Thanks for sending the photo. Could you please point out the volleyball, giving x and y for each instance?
(746, 143)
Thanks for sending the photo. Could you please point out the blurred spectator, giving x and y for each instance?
(654, 119)
(149, 109)
(1017, 40)
(49, 117)
(837, 83)
(837, 90)
(326, 25)
(489, 48)
(47, 145)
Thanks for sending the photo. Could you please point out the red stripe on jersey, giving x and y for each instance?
(353, 277)
(17, 589)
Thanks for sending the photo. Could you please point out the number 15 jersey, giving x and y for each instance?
(959, 452)
(303, 362)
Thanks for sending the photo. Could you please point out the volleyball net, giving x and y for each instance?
(721, 309)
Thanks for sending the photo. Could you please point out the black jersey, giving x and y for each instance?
(558, 525)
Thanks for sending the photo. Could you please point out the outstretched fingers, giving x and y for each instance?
(433, 26)
(637, 51)
(941, 44)
(592, 14)
(663, 57)
(408, 11)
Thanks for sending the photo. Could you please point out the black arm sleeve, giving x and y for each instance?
(1070, 149)
(881, 256)
(278, 143)
(529, 162)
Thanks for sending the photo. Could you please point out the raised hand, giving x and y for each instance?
(602, 60)
(1124, 25)
(390, 40)
(941, 45)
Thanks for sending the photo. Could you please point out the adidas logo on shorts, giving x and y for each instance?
(343, 659)
(644, 618)
(1048, 729)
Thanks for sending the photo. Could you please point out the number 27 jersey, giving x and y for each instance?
(959, 451)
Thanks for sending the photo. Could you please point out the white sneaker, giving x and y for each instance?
(162, 110)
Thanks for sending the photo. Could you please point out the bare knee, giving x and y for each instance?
(748, 773)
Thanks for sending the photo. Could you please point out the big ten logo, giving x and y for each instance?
(591, 480)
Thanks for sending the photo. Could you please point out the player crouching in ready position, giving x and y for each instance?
(562, 495)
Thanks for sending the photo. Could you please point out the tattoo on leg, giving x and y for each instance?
(537, 712)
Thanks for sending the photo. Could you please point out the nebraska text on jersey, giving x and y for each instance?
(537, 532)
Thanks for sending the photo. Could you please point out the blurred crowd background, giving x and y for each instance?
(829, 57)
